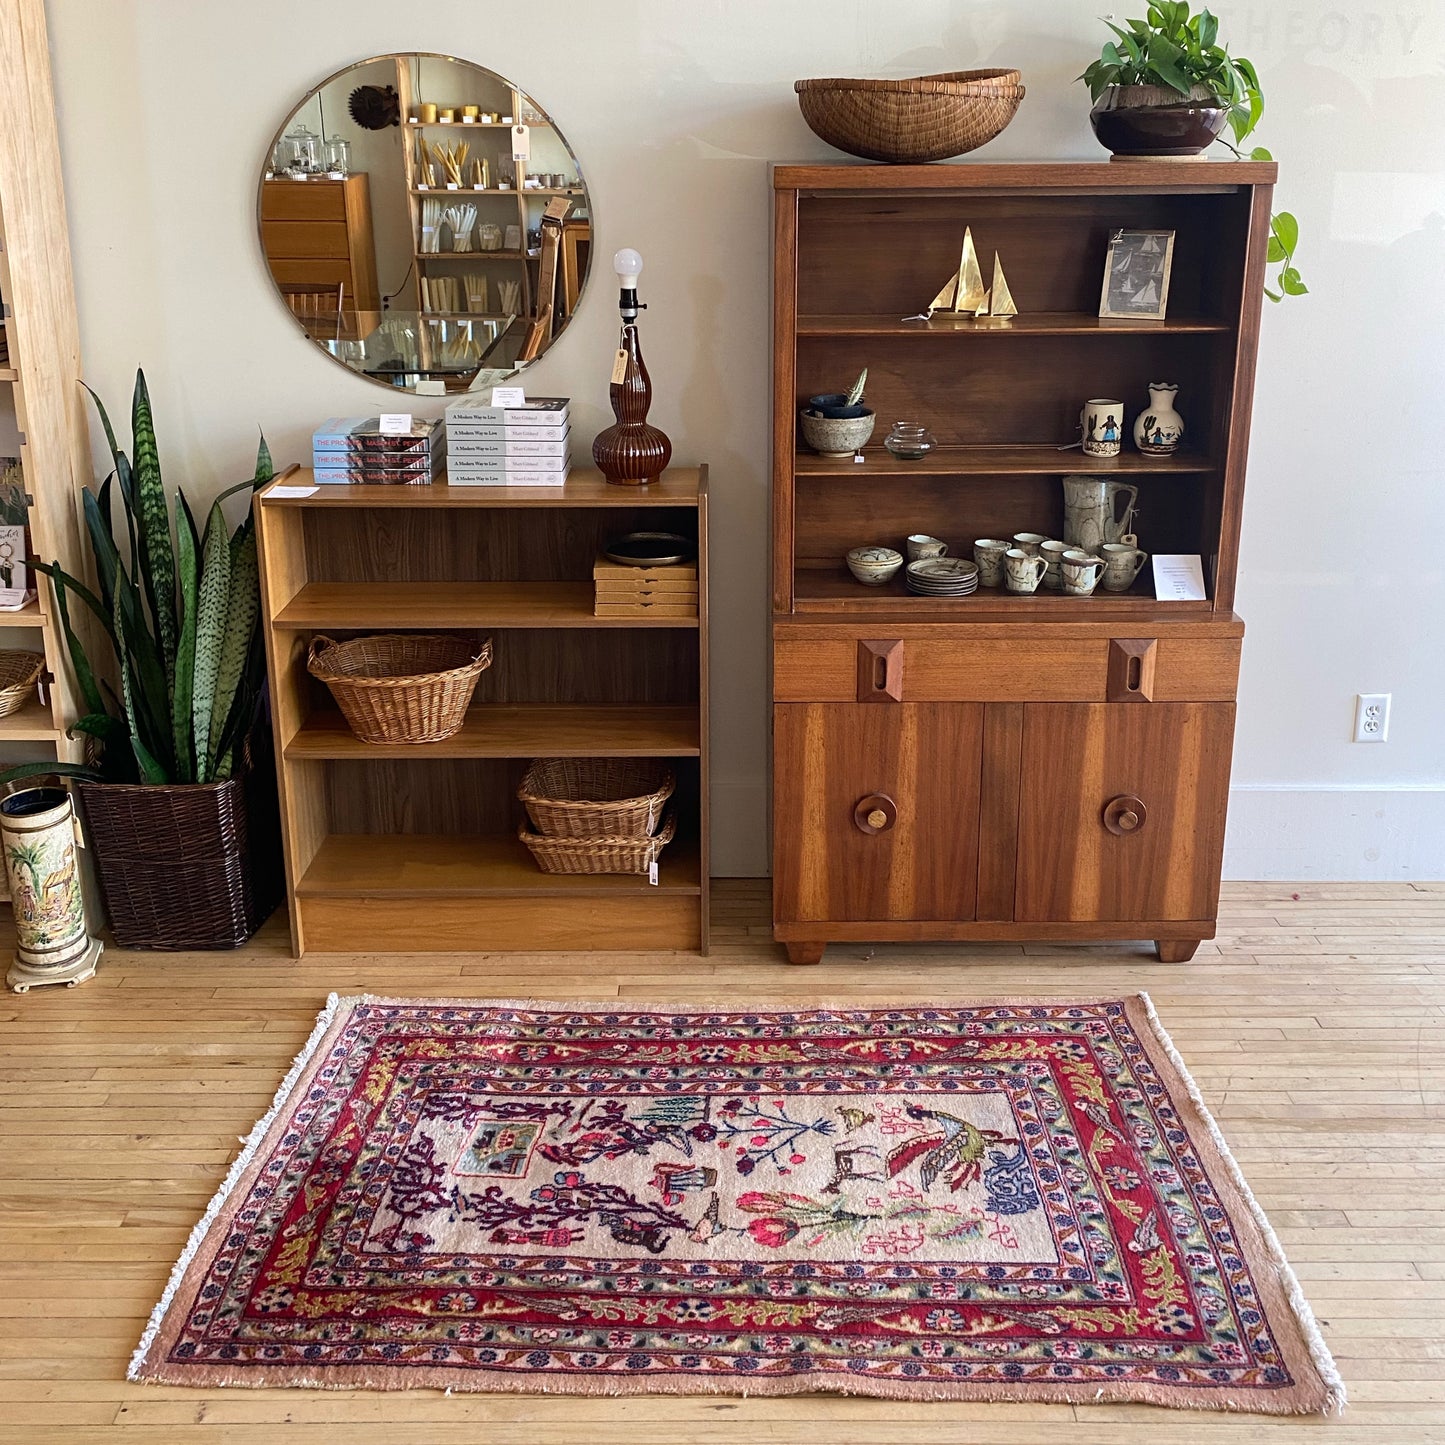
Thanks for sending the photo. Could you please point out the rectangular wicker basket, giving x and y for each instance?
(598, 855)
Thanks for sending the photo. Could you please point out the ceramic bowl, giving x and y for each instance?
(873, 566)
(833, 403)
(837, 436)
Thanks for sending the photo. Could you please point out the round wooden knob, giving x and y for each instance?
(1125, 814)
(876, 813)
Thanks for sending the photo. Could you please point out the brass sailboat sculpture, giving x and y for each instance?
(964, 293)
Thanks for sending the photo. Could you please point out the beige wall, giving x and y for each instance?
(675, 108)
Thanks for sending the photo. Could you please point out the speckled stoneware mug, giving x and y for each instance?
(1023, 572)
(1053, 553)
(1080, 573)
(988, 552)
(1122, 564)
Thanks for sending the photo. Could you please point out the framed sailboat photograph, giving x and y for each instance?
(1136, 275)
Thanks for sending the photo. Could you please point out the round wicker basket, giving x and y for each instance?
(401, 687)
(596, 797)
(19, 672)
(928, 119)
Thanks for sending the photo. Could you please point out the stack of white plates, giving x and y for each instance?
(942, 577)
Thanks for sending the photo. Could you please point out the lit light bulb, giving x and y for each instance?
(628, 265)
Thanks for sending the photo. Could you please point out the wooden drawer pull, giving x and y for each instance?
(1125, 814)
(876, 813)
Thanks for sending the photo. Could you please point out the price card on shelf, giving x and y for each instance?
(509, 396)
(395, 423)
(1178, 577)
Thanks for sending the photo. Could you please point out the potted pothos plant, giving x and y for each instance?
(1166, 86)
(178, 789)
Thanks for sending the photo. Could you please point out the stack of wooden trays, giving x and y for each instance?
(622, 591)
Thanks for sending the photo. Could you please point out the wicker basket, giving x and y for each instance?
(594, 798)
(598, 854)
(19, 672)
(401, 687)
(928, 119)
(194, 865)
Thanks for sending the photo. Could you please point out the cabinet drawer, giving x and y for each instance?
(307, 239)
(303, 201)
(1033, 668)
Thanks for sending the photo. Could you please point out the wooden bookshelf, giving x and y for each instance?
(414, 848)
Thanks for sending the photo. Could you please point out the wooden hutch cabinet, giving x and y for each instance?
(997, 766)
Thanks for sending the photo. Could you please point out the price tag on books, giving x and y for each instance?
(509, 396)
(619, 368)
(395, 424)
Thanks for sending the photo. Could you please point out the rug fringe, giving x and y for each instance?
(1323, 1360)
(324, 1020)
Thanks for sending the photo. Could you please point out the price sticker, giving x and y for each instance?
(619, 368)
(395, 424)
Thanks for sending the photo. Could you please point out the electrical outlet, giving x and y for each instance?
(1372, 717)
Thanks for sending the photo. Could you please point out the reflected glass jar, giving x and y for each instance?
(909, 442)
(305, 151)
(338, 155)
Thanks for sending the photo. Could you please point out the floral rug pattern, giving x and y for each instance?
(1017, 1200)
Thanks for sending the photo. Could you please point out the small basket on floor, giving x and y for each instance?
(598, 855)
(596, 797)
(401, 687)
(19, 672)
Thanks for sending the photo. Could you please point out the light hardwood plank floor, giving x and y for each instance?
(1314, 1024)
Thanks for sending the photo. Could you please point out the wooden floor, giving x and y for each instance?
(1315, 1026)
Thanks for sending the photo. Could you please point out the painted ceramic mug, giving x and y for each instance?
(1022, 571)
(1029, 542)
(1080, 573)
(921, 545)
(1122, 564)
(1053, 554)
(1103, 424)
(988, 552)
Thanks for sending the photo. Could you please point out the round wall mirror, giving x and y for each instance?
(426, 224)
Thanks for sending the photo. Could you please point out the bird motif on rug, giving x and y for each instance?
(958, 1147)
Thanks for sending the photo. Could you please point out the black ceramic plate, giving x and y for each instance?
(650, 549)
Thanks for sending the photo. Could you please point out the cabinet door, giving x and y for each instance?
(875, 810)
(1121, 810)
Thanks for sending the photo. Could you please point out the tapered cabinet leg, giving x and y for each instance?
(805, 952)
(1176, 950)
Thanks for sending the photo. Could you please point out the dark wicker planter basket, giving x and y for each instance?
(186, 866)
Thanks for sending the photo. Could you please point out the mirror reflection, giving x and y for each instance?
(426, 223)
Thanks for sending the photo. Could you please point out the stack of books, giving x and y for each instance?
(355, 449)
(508, 446)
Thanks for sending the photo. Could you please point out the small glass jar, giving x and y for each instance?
(909, 442)
(338, 155)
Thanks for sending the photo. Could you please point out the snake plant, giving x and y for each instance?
(180, 617)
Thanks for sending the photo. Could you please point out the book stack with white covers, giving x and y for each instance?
(508, 446)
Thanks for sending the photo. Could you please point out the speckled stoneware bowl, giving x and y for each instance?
(873, 566)
(837, 436)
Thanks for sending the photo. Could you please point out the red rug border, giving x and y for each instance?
(1319, 1387)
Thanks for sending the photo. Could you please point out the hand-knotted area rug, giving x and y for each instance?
(1020, 1200)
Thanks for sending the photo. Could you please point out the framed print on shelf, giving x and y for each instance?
(1136, 275)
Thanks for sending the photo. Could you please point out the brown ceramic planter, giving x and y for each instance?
(1152, 120)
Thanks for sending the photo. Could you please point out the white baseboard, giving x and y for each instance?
(1343, 834)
